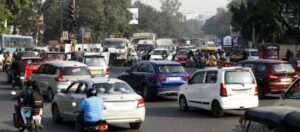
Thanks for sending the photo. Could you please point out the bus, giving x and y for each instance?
(12, 42)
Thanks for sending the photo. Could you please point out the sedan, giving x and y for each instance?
(122, 104)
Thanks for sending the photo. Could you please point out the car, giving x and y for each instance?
(97, 64)
(26, 54)
(219, 89)
(252, 54)
(155, 78)
(52, 56)
(56, 75)
(159, 54)
(182, 56)
(272, 76)
(31, 64)
(122, 104)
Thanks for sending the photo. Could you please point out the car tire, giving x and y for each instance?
(147, 93)
(183, 106)
(50, 95)
(216, 109)
(135, 125)
(56, 114)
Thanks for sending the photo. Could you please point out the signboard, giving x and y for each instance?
(87, 36)
(135, 15)
(227, 41)
(65, 35)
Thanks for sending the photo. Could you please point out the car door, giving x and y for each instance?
(39, 76)
(78, 96)
(260, 74)
(68, 98)
(132, 77)
(193, 87)
(210, 89)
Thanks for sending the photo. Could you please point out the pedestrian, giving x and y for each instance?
(212, 60)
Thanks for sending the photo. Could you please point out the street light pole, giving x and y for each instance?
(61, 18)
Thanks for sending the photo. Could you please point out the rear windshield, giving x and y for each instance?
(113, 88)
(238, 77)
(253, 53)
(56, 56)
(72, 71)
(159, 52)
(33, 61)
(286, 68)
(171, 69)
(271, 53)
(27, 54)
(182, 52)
(94, 61)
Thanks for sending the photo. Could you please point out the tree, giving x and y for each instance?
(218, 24)
(170, 6)
(4, 15)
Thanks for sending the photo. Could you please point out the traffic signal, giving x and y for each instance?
(72, 12)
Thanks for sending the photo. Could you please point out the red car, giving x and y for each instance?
(31, 64)
(53, 56)
(182, 56)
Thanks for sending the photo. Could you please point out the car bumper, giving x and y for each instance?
(250, 102)
(125, 117)
(278, 87)
(168, 92)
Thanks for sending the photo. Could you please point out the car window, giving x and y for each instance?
(73, 71)
(146, 68)
(252, 66)
(198, 78)
(73, 88)
(82, 88)
(135, 68)
(113, 88)
(261, 68)
(211, 77)
(294, 91)
(239, 77)
(95, 61)
(286, 68)
(41, 69)
(33, 61)
(171, 69)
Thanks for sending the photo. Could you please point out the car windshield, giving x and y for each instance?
(182, 52)
(271, 53)
(171, 69)
(159, 52)
(145, 47)
(238, 77)
(33, 61)
(27, 54)
(56, 56)
(286, 68)
(94, 61)
(113, 88)
(253, 53)
(114, 44)
(73, 71)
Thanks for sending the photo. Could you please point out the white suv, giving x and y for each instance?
(57, 75)
(219, 89)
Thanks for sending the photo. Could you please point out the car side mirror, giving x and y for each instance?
(63, 90)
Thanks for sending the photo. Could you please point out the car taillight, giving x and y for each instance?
(270, 74)
(59, 78)
(223, 91)
(107, 71)
(141, 103)
(102, 127)
(296, 75)
(36, 112)
(186, 78)
(256, 91)
(160, 78)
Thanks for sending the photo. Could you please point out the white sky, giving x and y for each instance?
(204, 7)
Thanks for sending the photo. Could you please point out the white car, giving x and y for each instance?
(97, 64)
(219, 89)
(157, 54)
(252, 54)
(122, 104)
(57, 75)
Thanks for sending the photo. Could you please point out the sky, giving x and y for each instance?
(203, 7)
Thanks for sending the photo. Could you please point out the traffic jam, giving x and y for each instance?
(78, 83)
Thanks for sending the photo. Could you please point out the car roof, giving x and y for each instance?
(65, 63)
(115, 39)
(161, 62)
(270, 61)
(225, 68)
(31, 58)
(101, 80)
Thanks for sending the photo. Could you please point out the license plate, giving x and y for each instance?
(286, 79)
(174, 78)
(22, 78)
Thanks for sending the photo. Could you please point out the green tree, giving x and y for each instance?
(218, 24)
(4, 16)
(170, 6)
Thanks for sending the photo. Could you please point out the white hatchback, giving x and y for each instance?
(219, 89)
(122, 104)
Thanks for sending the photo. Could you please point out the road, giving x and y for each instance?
(161, 116)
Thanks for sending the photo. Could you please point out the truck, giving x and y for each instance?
(136, 37)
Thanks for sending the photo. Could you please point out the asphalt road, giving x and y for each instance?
(161, 116)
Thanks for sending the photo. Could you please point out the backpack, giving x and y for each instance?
(37, 99)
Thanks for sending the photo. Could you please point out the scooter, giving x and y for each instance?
(18, 81)
(99, 126)
(28, 117)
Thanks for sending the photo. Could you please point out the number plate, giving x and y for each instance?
(174, 78)
(286, 79)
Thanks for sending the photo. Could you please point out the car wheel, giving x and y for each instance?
(146, 93)
(55, 114)
(183, 106)
(135, 125)
(216, 109)
(50, 94)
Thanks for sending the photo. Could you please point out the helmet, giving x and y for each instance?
(91, 92)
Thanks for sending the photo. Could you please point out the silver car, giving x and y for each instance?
(122, 104)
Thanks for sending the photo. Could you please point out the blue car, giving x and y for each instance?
(152, 78)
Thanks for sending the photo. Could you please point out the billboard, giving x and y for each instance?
(135, 15)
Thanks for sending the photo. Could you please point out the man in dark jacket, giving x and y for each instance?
(17, 67)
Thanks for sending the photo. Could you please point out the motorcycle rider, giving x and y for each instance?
(91, 107)
(17, 67)
(7, 59)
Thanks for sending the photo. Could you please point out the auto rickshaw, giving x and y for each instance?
(269, 51)
(271, 119)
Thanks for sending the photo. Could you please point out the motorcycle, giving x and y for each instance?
(19, 79)
(28, 117)
(99, 126)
